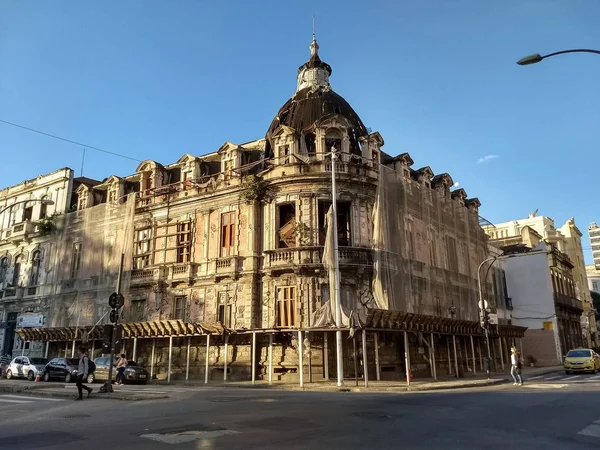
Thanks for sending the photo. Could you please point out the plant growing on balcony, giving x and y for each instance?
(46, 225)
(255, 189)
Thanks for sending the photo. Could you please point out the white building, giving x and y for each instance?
(594, 232)
(593, 276)
(27, 211)
(567, 240)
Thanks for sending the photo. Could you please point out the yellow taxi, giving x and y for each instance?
(582, 360)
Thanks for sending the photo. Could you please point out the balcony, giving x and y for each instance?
(21, 231)
(182, 271)
(227, 266)
(13, 293)
(141, 277)
(568, 302)
(300, 257)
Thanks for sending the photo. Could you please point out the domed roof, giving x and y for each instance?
(313, 101)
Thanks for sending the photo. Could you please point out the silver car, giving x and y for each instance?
(25, 367)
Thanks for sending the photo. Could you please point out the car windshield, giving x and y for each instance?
(73, 361)
(38, 361)
(132, 363)
(578, 354)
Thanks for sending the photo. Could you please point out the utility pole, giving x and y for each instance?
(336, 269)
(116, 302)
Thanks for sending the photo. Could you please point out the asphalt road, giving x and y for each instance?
(545, 413)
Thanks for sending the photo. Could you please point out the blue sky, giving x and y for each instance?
(438, 79)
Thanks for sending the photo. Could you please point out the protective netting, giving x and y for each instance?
(427, 247)
(87, 255)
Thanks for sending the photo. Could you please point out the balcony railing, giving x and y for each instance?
(146, 276)
(311, 255)
(569, 302)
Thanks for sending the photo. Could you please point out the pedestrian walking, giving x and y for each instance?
(121, 366)
(82, 373)
(516, 366)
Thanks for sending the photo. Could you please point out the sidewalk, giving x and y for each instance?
(137, 394)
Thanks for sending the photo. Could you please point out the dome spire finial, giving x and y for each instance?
(314, 47)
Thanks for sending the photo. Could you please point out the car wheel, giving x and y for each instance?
(30, 375)
(47, 377)
(68, 378)
(8, 374)
(91, 378)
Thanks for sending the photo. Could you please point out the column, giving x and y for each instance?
(170, 356)
(455, 357)
(271, 358)
(254, 357)
(152, 358)
(47, 349)
(134, 348)
(226, 357)
(501, 352)
(432, 350)
(365, 359)
(407, 358)
(325, 356)
(474, 360)
(377, 368)
(300, 361)
(206, 359)
(187, 359)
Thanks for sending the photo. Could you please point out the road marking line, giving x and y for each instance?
(545, 386)
(591, 430)
(572, 378)
(535, 378)
(8, 400)
(554, 378)
(595, 377)
(189, 436)
(23, 397)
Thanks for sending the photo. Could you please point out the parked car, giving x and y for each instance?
(582, 360)
(64, 369)
(134, 373)
(25, 367)
(4, 362)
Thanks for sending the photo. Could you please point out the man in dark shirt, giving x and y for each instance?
(82, 374)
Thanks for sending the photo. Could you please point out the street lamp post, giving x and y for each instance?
(43, 201)
(536, 57)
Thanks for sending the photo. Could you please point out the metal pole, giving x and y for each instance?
(152, 358)
(170, 355)
(134, 349)
(72, 349)
(326, 355)
(455, 356)
(254, 357)
(449, 356)
(300, 360)
(47, 349)
(432, 349)
(310, 379)
(336, 289)
(407, 358)
(355, 361)
(474, 360)
(521, 346)
(93, 349)
(501, 352)
(271, 358)
(187, 359)
(66, 348)
(226, 357)
(23, 347)
(108, 383)
(365, 360)
(206, 359)
(377, 368)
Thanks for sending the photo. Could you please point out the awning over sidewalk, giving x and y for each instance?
(156, 328)
(382, 319)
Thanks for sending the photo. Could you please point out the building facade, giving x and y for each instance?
(594, 234)
(566, 240)
(225, 255)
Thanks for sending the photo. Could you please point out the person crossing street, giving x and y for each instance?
(82, 374)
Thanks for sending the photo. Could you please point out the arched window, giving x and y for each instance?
(43, 207)
(17, 270)
(333, 140)
(3, 269)
(35, 268)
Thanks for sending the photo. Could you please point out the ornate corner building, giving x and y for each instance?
(225, 273)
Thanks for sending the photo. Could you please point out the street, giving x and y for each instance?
(551, 412)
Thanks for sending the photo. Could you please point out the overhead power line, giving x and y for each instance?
(70, 141)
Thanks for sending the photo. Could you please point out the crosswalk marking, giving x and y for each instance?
(592, 430)
(573, 378)
(22, 399)
(535, 378)
(554, 378)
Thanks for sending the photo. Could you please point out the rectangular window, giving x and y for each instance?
(285, 307)
(452, 257)
(82, 202)
(284, 154)
(142, 250)
(228, 234)
(287, 226)
(184, 241)
(187, 180)
(27, 213)
(112, 196)
(225, 313)
(343, 223)
(180, 308)
(76, 261)
(595, 286)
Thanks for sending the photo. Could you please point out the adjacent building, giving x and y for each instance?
(565, 240)
(594, 233)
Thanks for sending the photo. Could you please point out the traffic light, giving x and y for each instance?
(115, 301)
